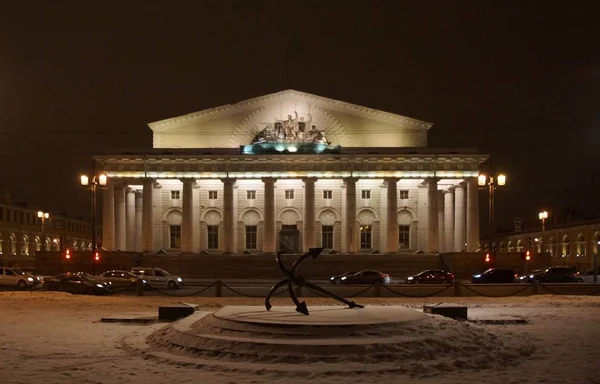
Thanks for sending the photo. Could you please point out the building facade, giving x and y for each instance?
(291, 170)
(570, 244)
(22, 233)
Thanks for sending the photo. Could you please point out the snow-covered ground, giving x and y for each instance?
(54, 337)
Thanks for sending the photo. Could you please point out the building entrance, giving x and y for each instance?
(289, 239)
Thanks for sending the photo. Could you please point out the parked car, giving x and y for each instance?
(16, 278)
(76, 283)
(337, 279)
(494, 275)
(587, 277)
(363, 277)
(557, 275)
(527, 277)
(119, 278)
(158, 277)
(431, 276)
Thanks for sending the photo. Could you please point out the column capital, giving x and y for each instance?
(391, 180)
(269, 180)
(449, 190)
(350, 180)
(310, 179)
(228, 180)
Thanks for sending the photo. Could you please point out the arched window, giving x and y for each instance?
(520, 246)
(552, 247)
(511, 248)
(566, 246)
(581, 246)
(502, 247)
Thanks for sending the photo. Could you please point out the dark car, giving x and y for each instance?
(76, 283)
(527, 277)
(337, 279)
(362, 277)
(431, 276)
(495, 276)
(556, 275)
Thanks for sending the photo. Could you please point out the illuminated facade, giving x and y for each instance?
(291, 170)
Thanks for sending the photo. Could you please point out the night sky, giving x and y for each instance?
(517, 79)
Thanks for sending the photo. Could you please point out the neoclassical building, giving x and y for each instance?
(291, 170)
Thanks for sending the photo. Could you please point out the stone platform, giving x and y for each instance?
(319, 315)
(337, 339)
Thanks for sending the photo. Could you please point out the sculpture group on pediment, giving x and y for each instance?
(292, 129)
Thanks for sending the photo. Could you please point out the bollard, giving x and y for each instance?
(218, 288)
(457, 288)
(535, 287)
(378, 289)
(298, 291)
(139, 287)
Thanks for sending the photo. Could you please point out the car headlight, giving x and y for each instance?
(145, 281)
(179, 279)
(30, 279)
(344, 278)
(477, 276)
(99, 285)
(409, 278)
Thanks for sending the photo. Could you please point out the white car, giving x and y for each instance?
(158, 277)
(587, 277)
(16, 277)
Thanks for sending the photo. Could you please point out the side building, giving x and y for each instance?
(291, 171)
(23, 233)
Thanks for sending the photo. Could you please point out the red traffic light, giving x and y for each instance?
(487, 257)
(67, 253)
(97, 256)
(528, 255)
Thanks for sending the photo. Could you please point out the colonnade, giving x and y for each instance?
(448, 220)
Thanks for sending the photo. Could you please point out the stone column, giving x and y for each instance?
(147, 216)
(269, 237)
(108, 217)
(441, 222)
(187, 217)
(157, 223)
(472, 215)
(130, 219)
(432, 216)
(423, 230)
(138, 221)
(309, 214)
(392, 216)
(196, 219)
(460, 224)
(449, 220)
(120, 216)
(228, 219)
(350, 215)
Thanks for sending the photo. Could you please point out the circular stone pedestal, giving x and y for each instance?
(323, 316)
(331, 340)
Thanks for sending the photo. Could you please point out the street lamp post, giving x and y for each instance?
(93, 185)
(543, 216)
(491, 182)
(43, 216)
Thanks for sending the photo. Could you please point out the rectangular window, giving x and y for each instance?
(327, 195)
(365, 237)
(289, 194)
(403, 194)
(327, 237)
(251, 237)
(175, 195)
(404, 236)
(175, 236)
(251, 195)
(212, 195)
(366, 194)
(213, 236)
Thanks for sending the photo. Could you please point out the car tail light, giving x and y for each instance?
(516, 275)
(452, 275)
(385, 275)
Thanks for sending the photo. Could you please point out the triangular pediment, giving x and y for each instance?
(237, 124)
